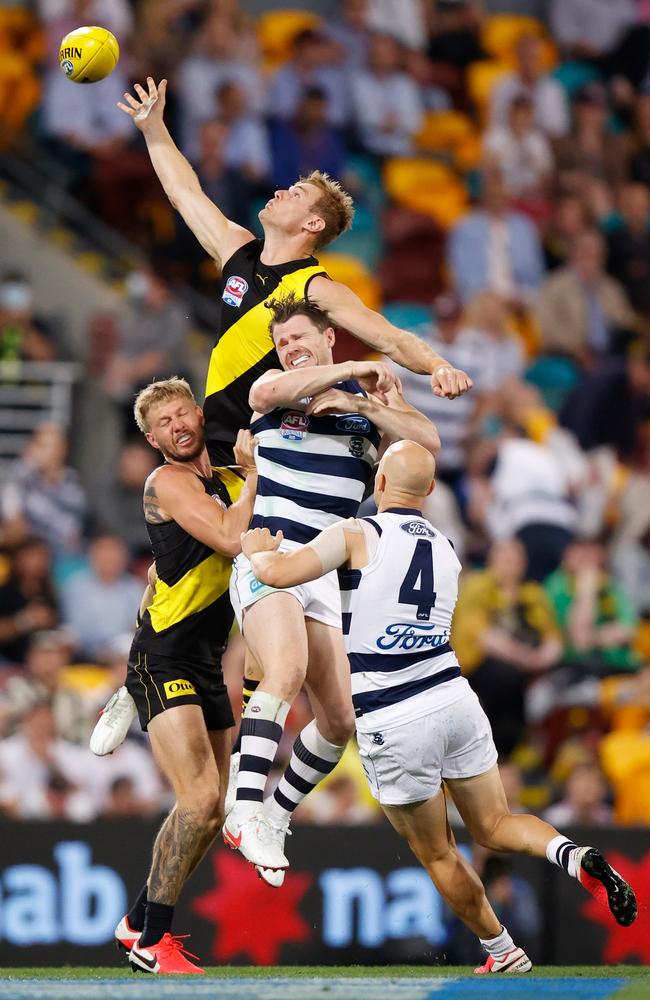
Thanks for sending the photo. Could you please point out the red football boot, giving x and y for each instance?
(606, 885)
(166, 957)
(125, 935)
(515, 961)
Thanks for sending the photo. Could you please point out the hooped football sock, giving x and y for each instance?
(500, 945)
(157, 921)
(261, 732)
(136, 914)
(561, 851)
(248, 690)
(312, 758)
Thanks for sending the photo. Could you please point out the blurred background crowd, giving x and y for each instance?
(499, 156)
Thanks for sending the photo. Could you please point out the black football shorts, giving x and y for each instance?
(157, 683)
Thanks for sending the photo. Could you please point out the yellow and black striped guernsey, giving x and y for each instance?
(244, 348)
(190, 616)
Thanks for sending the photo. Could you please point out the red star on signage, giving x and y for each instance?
(250, 917)
(626, 942)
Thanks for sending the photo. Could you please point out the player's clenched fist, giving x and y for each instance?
(260, 540)
(450, 382)
(244, 451)
(149, 109)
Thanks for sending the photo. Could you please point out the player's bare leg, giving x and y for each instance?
(481, 801)
(424, 825)
(319, 747)
(195, 764)
(274, 629)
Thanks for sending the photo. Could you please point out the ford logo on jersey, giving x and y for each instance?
(234, 291)
(402, 635)
(418, 528)
(353, 423)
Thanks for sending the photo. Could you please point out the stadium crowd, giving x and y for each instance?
(499, 156)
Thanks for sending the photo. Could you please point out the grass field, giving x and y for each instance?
(328, 983)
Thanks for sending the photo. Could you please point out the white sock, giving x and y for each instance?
(562, 852)
(500, 945)
(313, 757)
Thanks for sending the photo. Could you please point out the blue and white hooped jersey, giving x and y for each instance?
(312, 471)
(397, 615)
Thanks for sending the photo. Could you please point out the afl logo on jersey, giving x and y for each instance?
(353, 424)
(294, 425)
(418, 529)
(234, 291)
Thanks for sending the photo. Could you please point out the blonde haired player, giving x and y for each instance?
(418, 721)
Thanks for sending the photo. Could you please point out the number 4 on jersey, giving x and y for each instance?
(420, 572)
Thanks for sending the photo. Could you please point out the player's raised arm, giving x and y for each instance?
(395, 418)
(334, 547)
(348, 311)
(282, 388)
(171, 493)
(217, 235)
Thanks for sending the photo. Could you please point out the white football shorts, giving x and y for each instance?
(320, 599)
(406, 763)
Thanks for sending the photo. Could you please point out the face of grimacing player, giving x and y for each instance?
(291, 210)
(176, 429)
(300, 344)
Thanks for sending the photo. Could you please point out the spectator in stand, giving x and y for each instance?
(44, 496)
(227, 188)
(630, 550)
(504, 634)
(449, 336)
(596, 617)
(118, 506)
(584, 802)
(306, 142)
(153, 342)
(548, 96)
(387, 103)
(568, 219)
(28, 601)
(502, 352)
(350, 32)
(41, 775)
(590, 152)
(530, 499)
(628, 246)
(454, 43)
(45, 679)
(640, 140)
(23, 336)
(588, 29)
(246, 149)
(582, 311)
(625, 751)
(521, 152)
(131, 762)
(405, 20)
(217, 59)
(101, 602)
(313, 64)
(610, 405)
(422, 71)
(494, 247)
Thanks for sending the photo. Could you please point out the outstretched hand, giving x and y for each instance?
(449, 382)
(260, 540)
(149, 109)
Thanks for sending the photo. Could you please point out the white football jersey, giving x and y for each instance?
(397, 615)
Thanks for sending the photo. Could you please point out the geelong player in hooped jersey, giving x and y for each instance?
(418, 721)
(319, 427)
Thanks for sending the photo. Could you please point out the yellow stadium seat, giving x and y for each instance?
(444, 131)
(352, 272)
(277, 30)
(426, 186)
(482, 76)
(501, 32)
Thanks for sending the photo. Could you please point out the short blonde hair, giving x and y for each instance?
(334, 205)
(159, 392)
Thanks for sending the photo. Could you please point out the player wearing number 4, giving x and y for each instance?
(418, 722)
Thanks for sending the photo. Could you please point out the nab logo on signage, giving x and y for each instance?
(79, 904)
(362, 907)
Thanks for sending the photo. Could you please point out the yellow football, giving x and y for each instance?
(88, 54)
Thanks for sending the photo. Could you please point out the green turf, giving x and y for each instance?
(345, 971)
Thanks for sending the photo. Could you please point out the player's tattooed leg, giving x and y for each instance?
(181, 843)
